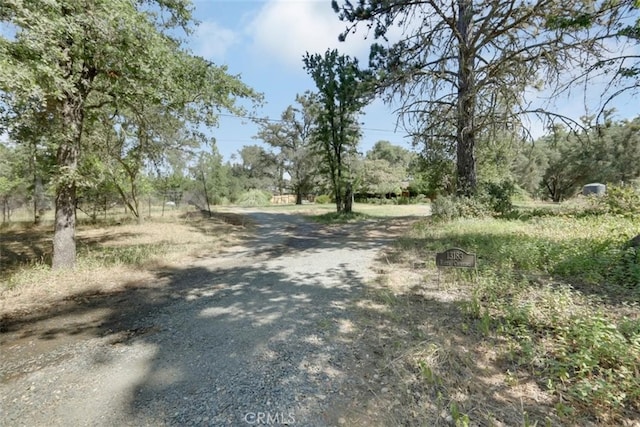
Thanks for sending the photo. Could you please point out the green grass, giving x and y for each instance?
(136, 255)
(363, 208)
(340, 218)
(561, 293)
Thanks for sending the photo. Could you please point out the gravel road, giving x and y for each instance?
(257, 336)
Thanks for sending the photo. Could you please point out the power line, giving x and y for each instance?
(269, 119)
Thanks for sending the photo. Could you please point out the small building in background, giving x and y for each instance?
(595, 189)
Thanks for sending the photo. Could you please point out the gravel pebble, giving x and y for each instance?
(241, 339)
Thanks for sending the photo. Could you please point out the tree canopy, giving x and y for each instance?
(462, 68)
(294, 136)
(75, 64)
(342, 93)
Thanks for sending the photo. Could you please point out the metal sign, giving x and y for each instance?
(455, 257)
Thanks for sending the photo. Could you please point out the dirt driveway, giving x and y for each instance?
(263, 334)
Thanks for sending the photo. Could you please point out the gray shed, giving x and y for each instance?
(595, 188)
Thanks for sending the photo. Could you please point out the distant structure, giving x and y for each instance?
(595, 188)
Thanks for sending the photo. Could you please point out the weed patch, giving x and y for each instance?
(558, 297)
(340, 217)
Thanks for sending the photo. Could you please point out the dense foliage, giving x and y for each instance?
(104, 80)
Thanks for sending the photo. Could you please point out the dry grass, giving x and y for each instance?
(457, 373)
(489, 348)
(428, 367)
(418, 210)
(110, 258)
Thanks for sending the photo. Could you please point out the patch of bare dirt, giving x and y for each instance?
(29, 286)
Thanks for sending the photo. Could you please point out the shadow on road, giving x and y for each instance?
(267, 331)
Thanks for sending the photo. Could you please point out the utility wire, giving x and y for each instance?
(269, 119)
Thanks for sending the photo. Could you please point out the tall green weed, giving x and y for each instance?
(563, 291)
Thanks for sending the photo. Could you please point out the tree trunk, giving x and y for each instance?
(64, 236)
(335, 181)
(37, 195)
(129, 205)
(338, 203)
(298, 197)
(137, 213)
(164, 199)
(206, 192)
(337, 193)
(465, 135)
(348, 199)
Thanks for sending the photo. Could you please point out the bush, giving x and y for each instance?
(620, 200)
(498, 196)
(444, 208)
(384, 201)
(254, 198)
(473, 208)
(447, 208)
(421, 198)
(219, 200)
(323, 199)
(597, 364)
(493, 199)
(520, 194)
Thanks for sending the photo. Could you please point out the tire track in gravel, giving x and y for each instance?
(259, 335)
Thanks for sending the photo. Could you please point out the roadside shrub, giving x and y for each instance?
(598, 365)
(219, 200)
(498, 196)
(378, 201)
(323, 199)
(493, 199)
(447, 208)
(444, 208)
(624, 268)
(421, 198)
(520, 194)
(620, 200)
(254, 198)
(473, 207)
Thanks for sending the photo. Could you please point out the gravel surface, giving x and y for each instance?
(260, 335)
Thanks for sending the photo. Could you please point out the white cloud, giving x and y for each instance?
(212, 41)
(285, 29)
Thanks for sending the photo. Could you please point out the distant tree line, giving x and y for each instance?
(100, 103)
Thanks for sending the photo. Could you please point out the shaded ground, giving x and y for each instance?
(302, 324)
(265, 330)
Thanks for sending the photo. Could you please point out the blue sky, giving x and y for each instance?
(264, 41)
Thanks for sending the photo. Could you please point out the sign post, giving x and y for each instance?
(456, 258)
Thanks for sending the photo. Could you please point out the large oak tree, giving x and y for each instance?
(294, 136)
(72, 63)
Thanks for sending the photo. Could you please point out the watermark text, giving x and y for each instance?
(269, 418)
